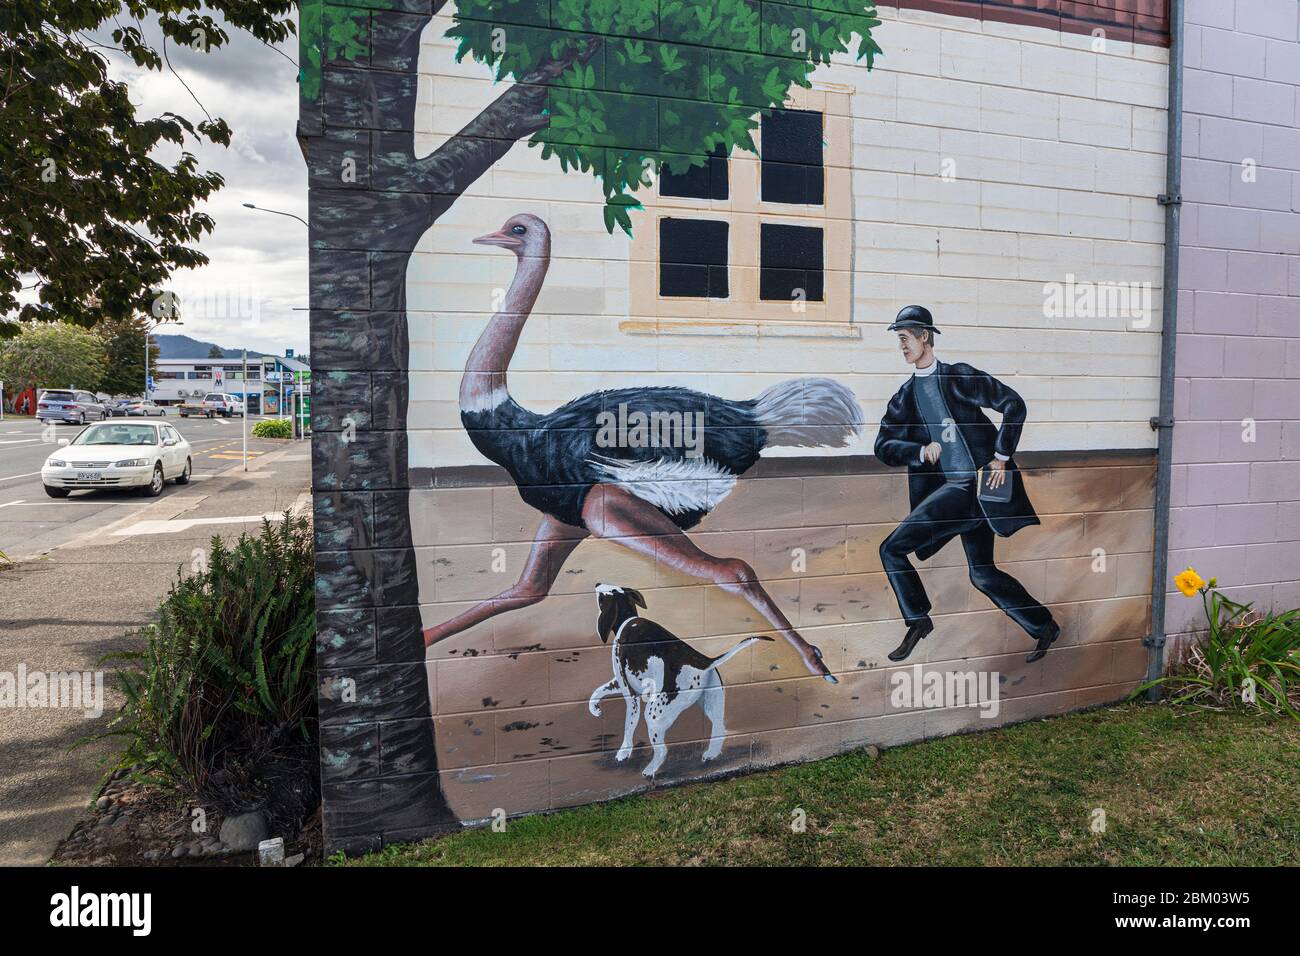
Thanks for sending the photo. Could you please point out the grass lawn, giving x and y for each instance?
(1178, 787)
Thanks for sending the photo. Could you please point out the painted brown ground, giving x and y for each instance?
(510, 696)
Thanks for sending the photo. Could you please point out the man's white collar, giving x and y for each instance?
(928, 370)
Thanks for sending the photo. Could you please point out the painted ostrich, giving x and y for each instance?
(644, 498)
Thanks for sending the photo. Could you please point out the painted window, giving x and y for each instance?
(791, 263)
(775, 223)
(709, 181)
(693, 258)
(792, 158)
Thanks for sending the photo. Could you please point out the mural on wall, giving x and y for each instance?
(655, 670)
(641, 487)
(584, 72)
(720, 183)
(962, 481)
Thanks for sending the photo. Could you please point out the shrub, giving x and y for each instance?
(221, 703)
(273, 428)
(1247, 658)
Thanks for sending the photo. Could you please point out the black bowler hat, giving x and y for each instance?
(914, 317)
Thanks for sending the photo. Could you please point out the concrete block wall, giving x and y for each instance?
(1058, 145)
(1236, 475)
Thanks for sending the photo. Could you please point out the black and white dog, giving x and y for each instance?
(654, 667)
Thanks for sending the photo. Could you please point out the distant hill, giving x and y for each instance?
(184, 347)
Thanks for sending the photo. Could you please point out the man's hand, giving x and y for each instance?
(931, 452)
(997, 472)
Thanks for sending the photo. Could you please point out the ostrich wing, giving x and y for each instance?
(683, 425)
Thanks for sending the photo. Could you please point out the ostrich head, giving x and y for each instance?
(524, 234)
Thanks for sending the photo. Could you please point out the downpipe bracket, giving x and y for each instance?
(1165, 199)
(1161, 421)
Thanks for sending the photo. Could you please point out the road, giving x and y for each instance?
(31, 523)
(93, 568)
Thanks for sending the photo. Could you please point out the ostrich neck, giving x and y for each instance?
(483, 385)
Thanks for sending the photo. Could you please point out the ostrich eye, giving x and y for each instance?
(518, 230)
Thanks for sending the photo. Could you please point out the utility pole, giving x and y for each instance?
(149, 330)
(243, 419)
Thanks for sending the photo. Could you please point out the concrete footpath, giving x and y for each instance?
(67, 609)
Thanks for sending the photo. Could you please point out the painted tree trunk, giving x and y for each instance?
(370, 202)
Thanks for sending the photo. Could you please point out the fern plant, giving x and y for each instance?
(221, 701)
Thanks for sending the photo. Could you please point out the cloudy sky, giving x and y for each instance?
(254, 291)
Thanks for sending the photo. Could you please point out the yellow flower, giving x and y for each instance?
(1189, 582)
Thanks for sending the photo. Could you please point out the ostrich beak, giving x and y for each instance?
(498, 238)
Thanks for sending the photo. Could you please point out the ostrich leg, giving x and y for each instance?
(617, 514)
(552, 545)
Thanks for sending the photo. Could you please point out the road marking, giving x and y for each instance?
(12, 477)
(19, 441)
(184, 524)
(9, 504)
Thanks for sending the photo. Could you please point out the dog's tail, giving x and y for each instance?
(719, 661)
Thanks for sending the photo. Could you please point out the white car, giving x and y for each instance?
(219, 403)
(117, 454)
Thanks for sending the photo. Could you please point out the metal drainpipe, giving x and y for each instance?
(1163, 423)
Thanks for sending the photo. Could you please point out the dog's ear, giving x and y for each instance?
(635, 597)
(608, 610)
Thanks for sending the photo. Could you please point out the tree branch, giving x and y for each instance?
(518, 112)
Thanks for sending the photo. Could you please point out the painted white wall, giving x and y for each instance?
(1058, 155)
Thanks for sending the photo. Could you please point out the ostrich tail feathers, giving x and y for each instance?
(808, 413)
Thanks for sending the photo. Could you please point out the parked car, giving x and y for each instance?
(138, 455)
(118, 406)
(219, 403)
(139, 407)
(69, 405)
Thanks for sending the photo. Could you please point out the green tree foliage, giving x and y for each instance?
(88, 211)
(642, 85)
(52, 355)
(124, 347)
(214, 352)
(658, 83)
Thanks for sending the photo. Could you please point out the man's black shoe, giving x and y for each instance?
(1052, 633)
(914, 634)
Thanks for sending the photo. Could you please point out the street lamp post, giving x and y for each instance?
(243, 419)
(149, 330)
(277, 212)
(249, 205)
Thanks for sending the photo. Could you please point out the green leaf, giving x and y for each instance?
(681, 77)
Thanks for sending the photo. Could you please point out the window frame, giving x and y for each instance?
(745, 211)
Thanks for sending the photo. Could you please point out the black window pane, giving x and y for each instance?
(698, 182)
(693, 258)
(790, 259)
(792, 157)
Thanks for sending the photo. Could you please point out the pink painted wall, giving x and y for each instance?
(1236, 503)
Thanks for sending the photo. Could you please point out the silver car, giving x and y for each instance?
(69, 405)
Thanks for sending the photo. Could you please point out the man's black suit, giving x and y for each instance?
(946, 505)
